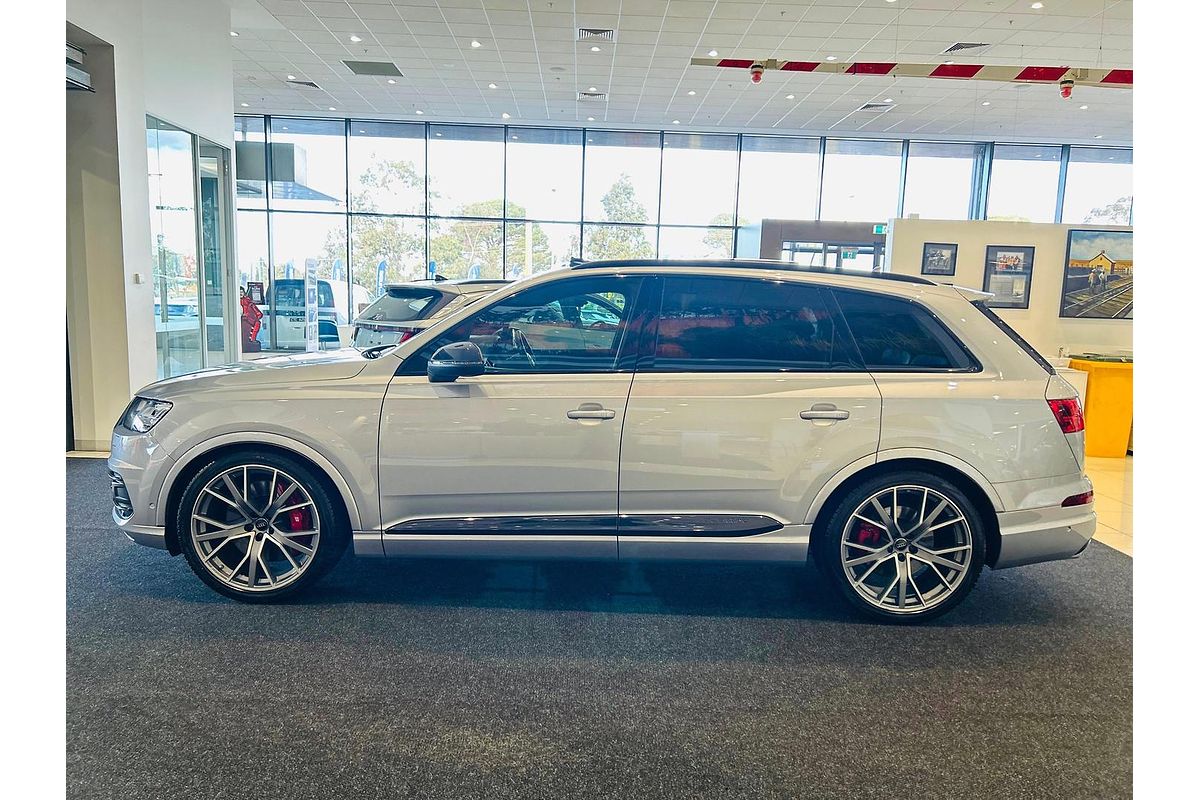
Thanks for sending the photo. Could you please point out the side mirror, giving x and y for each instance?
(454, 361)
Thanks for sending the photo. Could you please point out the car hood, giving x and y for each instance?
(327, 365)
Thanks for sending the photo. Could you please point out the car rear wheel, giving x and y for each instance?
(904, 547)
(258, 526)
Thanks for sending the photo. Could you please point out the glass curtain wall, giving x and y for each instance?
(941, 180)
(367, 203)
(1099, 186)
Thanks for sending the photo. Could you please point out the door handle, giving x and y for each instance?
(591, 411)
(825, 411)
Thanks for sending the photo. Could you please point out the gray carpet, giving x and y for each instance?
(496, 680)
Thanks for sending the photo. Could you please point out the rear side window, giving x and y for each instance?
(401, 304)
(740, 325)
(1016, 337)
(899, 335)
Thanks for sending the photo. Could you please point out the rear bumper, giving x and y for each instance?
(1044, 534)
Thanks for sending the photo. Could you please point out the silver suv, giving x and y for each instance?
(889, 429)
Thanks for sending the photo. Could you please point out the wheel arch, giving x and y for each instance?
(194, 460)
(977, 488)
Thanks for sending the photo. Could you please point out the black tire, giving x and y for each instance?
(829, 547)
(330, 516)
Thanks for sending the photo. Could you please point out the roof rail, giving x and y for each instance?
(744, 263)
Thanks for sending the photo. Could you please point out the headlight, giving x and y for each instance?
(144, 413)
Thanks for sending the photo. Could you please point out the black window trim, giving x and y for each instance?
(649, 339)
(1017, 338)
(626, 356)
(974, 367)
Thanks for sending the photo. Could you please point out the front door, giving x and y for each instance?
(746, 402)
(522, 460)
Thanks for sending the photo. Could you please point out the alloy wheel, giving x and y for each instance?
(255, 528)
(906, 549)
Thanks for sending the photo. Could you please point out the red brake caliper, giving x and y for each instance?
(868, 535)
(296, 517)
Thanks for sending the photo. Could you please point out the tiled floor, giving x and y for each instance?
(1113, 482)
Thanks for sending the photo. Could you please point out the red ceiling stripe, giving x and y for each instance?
(1041, 73)
(800, 66)
(956, 71)
(870, 68)
(741, 63)
(1119, 76)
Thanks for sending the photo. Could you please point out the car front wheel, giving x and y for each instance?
(904, 547)
(258, 526)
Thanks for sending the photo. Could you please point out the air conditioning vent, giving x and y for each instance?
(385, 68)
(593, 97)
(974, 48)
(876, 108)
(78, 78)
(304, 84)
(589, 34)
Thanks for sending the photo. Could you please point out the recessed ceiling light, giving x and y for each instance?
(791, 97)
(505, 115)
(475, 43)
(591, 119)
(355, 38)
(692, 93)
(591, 88)
(391, 80)
(595, 48)
(515, 136)
(712, 53)
(245, 105)
(491, 86)
(285, 127)
(674, 122)
(1098, 136)
(987, 102)
(421, 113)
(1083, 108)
(331, 108)
(234, 33)
(291, 77)
(831, 58)
(891, 1)
(1038, 5)
(887, 99)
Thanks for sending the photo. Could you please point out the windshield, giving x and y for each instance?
(401, 304)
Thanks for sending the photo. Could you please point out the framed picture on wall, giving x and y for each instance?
(1098, 276)
(1008, 273)
(939, 258)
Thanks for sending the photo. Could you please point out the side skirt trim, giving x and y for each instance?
(676, 525)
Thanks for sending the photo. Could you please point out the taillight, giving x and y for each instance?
(406, 334)
(1068, 413)
(1078, 499)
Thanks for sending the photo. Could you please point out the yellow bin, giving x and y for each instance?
(1108, 409)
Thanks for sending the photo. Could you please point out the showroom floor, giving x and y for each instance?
(466, 679)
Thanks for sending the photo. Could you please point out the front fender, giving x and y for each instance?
(354, 508)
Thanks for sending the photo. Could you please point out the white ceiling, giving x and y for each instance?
(528, 50)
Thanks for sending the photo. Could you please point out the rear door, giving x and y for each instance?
(746, 401)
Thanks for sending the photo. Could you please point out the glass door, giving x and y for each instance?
(174, 248)
(213, 184)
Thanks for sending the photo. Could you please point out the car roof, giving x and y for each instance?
(705, 265)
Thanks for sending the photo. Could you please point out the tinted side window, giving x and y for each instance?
(897, 334)
(564, 326)
(736, 324)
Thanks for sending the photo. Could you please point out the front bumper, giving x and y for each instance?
(1044, 534)
(137, 466)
